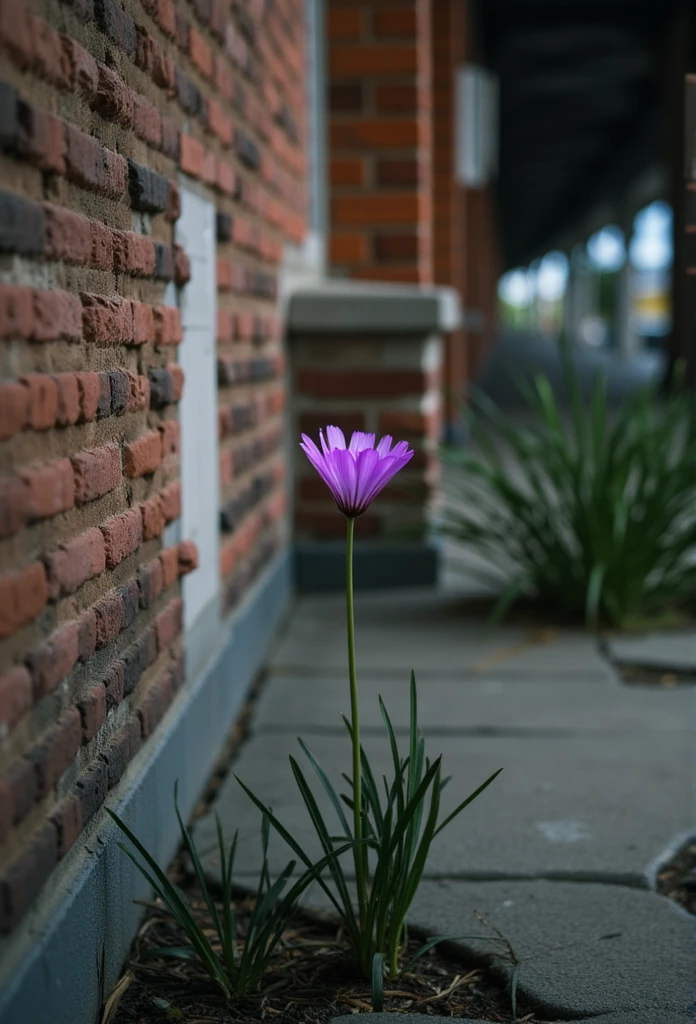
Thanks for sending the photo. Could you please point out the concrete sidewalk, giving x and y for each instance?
(561, 851)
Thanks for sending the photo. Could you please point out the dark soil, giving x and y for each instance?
(677, 879)
(310, 981)
(638, 675)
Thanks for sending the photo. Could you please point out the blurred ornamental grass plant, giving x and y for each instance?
(236, 964)
(594, 519)
(393, 823)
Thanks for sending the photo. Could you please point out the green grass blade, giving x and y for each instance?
(328, 788)
(378, 983)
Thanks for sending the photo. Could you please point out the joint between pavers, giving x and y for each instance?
(628, 881)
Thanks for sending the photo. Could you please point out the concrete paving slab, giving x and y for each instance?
(667, 651)
(584, 950)
(429, 632)
(593, 806)
(289, 703)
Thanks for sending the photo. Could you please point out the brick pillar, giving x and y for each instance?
(365, 357)
(380, 139)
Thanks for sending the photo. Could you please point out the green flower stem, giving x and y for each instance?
(359, 853)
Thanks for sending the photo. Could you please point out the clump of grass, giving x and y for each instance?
(235, 963)
(595, 517)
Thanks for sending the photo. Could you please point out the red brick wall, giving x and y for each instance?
(101, 105)
(380, 139)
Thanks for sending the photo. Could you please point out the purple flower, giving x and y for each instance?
(355, 474)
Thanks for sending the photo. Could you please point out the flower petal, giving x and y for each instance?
(367, 463)
(343, 465)
(388, 467)
(401, 448)
(360, 441)
(355, 475)
(335, 437)
(323, 468)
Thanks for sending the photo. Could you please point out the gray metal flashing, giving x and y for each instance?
(342, 307)
(68, 952)
(321, 565)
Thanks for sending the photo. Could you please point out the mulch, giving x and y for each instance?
(639, 675)
(677, 879)
(310, 981)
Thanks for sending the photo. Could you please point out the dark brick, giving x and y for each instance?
(130, 593)
(118, 26)
(247, 150)
(91, 788)
(161, 388)
(22, 227)
(119, 387)
(164, 262)
(104, 404)
(136, 659)
(223, 226)
(149, 191)
(9, 117)
(202, 9)
(246, 22)
(183, 30)
(25, 875)
(188, 94)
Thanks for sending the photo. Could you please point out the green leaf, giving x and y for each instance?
(175, 903)
(377, 983)
(330, 791)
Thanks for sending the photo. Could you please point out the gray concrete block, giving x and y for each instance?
(311, 704)
(584, 950)
(668, 651)
(428, 631)
(339, 307)
(593, 806)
